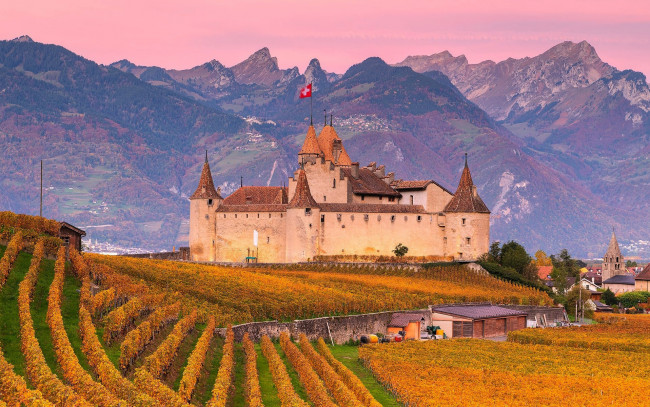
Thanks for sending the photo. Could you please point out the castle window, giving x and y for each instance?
(268, 239)
(365, 217)
(391, 199)
(378, 218)
(281, 214)
(444, 240)
(235, 216)
(334, 183)
(351, 217)
(207, 216)
(463, 221)
(363, 197)
(468, 240)
(209, 202)
(308, 213)
(392, 218)
(269, 216)
(258, 216)
(411, 196)
(246, 216)
(322, 218)
(338, 217)
(380, 198)
(324, 198)
(419, 218)
(617, 259)
(460, 255)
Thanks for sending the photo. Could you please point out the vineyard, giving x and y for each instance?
(467, 372)
(92, 330)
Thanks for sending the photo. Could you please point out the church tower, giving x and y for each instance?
(613, 263)
(203, 204)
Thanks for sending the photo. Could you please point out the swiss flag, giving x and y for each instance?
(305, 92)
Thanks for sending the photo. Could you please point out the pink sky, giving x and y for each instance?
(183, 34)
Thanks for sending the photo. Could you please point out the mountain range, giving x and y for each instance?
(557, 143)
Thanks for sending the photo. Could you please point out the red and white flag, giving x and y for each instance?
(305, 92)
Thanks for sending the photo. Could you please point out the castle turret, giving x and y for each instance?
(203, 204)
(467, 221)
(303, 222)
(613, 263)
(310, 150)
(332, 147)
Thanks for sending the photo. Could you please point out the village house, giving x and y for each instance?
(333, 206)
(477, 321)
(642, 281)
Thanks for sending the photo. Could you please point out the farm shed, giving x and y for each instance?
(477, 321)
(71, 235)
(412, 323)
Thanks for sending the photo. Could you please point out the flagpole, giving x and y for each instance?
(311, 107)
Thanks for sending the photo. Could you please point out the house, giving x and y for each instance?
(413, 324)
(588, 284)
(331, 206)
(642, 281)
(620, 283)
(477, 320)
(570, 282)
(597, 306)
(71, 235)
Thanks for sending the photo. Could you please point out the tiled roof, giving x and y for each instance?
(310, 146)
(73, 228)
(206, 189)
(302, 197)
(644, 274)
(544, 271)
(401, 184)
(477, 311)
(253, 208)
(367, 183)
(402, 319)
(627, 279)
(326, 142)
(466, 198)
(370, 208)
(251, 195)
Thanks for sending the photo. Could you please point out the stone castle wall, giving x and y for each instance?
(234, 239)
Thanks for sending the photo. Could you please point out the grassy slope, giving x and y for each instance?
(295, 379)
(349, 356)
(39, 315)
(269, 392)
(238, 399)
(187, 347)
(70, 314)
(203, 390)
(9, 320)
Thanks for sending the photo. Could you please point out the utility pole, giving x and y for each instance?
(40, 213)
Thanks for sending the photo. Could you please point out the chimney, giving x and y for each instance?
(354, 169)
(380, 171)
(372, 166)
(389, 178)
(337, 147)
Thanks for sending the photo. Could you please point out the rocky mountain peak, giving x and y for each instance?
(259, 68)
(23, 38)
(442, 61)
(316, 75)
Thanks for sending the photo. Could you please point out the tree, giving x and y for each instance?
(609, 297)
(514, 255)
(494, 254)
(400, 250)
(580, 296)
(630, 263)
(633, 298)
(542, 259)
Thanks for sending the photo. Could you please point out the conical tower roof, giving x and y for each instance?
(206, 189)
(613, 250)
(310, 146)
(466, 198)
(302, 198)
(326, 143)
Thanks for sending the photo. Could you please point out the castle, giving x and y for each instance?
(332, 206)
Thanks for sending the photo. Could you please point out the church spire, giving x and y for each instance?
(206, 189)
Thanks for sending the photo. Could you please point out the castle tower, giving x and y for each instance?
(332, 147)
(303, 222)
(467, 227)
(203, 204)
(310, 150)
(613, 263)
